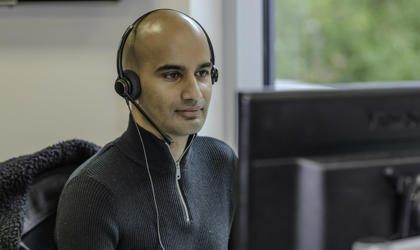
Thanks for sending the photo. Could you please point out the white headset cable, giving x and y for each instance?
(150, 177)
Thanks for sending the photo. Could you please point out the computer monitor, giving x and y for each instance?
(321, 169)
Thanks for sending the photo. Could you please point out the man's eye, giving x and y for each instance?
(171, 75)
(203, 73)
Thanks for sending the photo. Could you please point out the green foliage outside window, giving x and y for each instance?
(326, 41)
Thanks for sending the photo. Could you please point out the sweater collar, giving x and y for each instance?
(157, 151)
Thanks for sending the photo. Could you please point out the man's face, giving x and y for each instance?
(176, 83)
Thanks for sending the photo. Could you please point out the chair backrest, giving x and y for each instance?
(40, 208)
(30, 187)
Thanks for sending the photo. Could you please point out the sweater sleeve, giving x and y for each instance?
(86, 216)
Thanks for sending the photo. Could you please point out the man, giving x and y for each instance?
(111, 201)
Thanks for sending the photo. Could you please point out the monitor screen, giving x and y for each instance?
(321, 169)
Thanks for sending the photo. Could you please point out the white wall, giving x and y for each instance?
(57, 63)
(243, 57)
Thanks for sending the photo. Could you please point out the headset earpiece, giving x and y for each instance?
(214, 74)
(121, 86)
(134, 79)
(128, 84)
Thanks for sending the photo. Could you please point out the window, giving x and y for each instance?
(329, 41)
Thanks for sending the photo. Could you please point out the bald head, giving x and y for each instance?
(161, 30)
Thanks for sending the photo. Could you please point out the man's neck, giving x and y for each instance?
(178, 147)
(179, 142)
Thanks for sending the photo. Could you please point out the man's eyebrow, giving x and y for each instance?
(205, 65)
(169, 67)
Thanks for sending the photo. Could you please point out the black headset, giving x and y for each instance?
(128, 86)
(128, 82)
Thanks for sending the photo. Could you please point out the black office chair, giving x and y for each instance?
(30, 187)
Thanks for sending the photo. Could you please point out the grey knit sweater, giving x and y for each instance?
(107, 202)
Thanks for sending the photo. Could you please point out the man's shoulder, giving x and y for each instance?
(206, 141)
(213, 146)
(98, 166)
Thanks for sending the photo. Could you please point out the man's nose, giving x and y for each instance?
(191, 89)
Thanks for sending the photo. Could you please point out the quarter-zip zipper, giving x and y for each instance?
(184, 204)
(178, 177)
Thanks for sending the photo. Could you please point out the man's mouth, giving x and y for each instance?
(189, 113)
